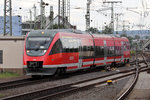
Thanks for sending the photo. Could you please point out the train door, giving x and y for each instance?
(122, 49)
(105, 52)
(80, 55)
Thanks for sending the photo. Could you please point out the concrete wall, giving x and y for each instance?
(12, 48)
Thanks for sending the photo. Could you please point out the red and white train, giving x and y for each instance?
(48, 52)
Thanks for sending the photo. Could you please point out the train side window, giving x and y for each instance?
(96, 51)
(120, 50)
(84, 48)
(128, 46)
(76, 47)
(57, 48)
(101, 51)
(117, 50)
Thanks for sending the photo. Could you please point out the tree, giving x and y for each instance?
(130, 39)
(93, 30)
(123, 35)
(147, 37)
(107, 30)
(137, 37)
(56, 26)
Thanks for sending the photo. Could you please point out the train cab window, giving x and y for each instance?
(57, 47)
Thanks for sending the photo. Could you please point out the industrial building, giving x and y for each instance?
(16, 25)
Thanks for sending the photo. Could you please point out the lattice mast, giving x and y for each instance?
(87, 16)
(68, 11)
(42, 14)
(64, 11)
(112, 12)
(7, 17)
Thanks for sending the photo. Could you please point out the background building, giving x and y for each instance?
(16, 25)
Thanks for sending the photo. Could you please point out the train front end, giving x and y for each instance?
(36, 52)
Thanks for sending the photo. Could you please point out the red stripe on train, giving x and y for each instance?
(72, 67)
(86, 60)
(99, 59)
(86, 65)
(100, 64)
(118, 57)
(109, 62)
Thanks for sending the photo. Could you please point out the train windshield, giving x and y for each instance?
(38, 43)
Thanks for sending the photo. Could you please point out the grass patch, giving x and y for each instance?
(8, 75)
(1, 95)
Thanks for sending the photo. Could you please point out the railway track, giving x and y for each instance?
(31, 81)
(70, 88)
(132, 85)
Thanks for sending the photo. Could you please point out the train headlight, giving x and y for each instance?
(45, 51)
(28, 51)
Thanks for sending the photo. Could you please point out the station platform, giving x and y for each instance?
(142, 88)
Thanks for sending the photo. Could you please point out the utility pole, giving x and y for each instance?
(34, 7)
(124, 25)
(117, 20)
(63, 11)
(30, 20)
(68, 11)
(42, 14)
(7, 13)
(87, 16)
(42, 6)
(51, 15)
(58, 13)
(123, 29)
(112, 12)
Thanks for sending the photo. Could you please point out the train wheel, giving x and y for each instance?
(107, 68)
(92, 67)
(125, 61)
(57, 73)
(36, 76)
(113, 64)
(60, 71)
(64, 70)
(128, 61)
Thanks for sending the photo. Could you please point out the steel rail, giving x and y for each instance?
(52, 96)
(31, 81)
(130, 88)
(27, 83)
(58, 90)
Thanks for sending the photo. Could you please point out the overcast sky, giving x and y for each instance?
(98, 19)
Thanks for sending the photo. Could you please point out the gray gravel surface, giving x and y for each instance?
(101, 92)
(13, 78)
(71, 79)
